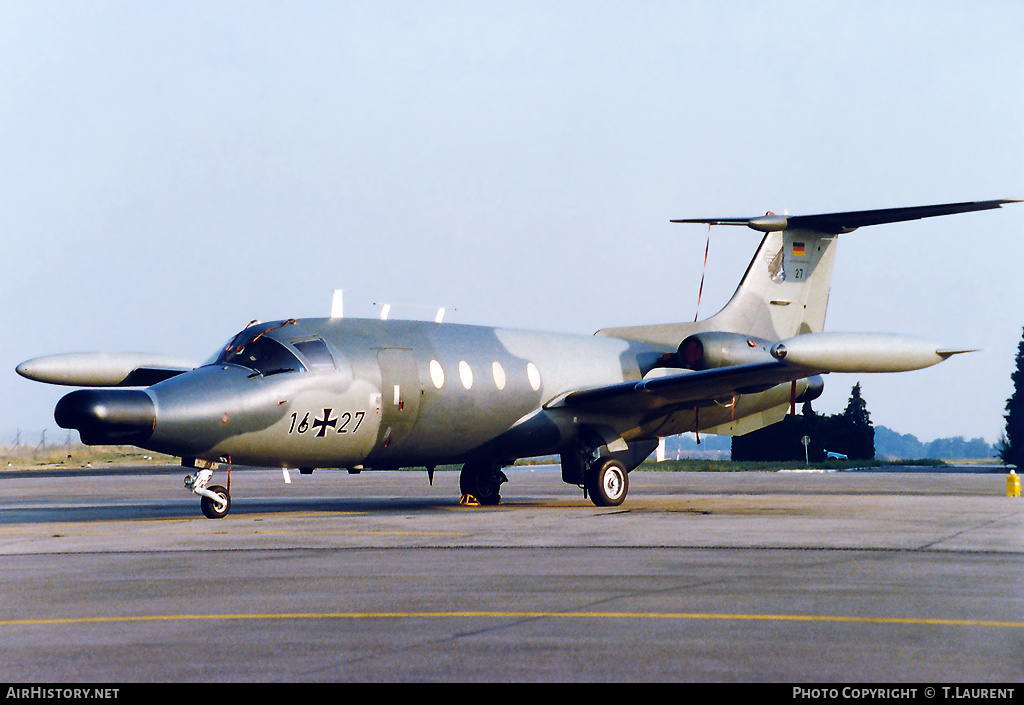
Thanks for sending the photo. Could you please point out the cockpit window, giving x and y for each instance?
(316, 353)
(263, 355)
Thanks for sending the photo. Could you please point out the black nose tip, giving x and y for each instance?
(107, 417)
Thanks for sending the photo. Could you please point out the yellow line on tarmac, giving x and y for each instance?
(684, 616)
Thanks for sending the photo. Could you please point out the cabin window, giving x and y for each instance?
(499, 375)
(436, 374)
(466, 374)
(533, 374)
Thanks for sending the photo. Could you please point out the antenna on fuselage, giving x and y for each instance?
(385, 310)
(336, 304)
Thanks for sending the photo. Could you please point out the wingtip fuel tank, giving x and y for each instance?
(860, 352)
(103, 369)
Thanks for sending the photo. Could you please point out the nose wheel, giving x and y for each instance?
(215, 501)
(215, 508)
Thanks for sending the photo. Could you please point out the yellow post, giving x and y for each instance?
(1012, 485)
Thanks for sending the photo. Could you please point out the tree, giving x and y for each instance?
(850, 433)
(857, 434)
(815, 427)
(778, 442)
(1011, 445)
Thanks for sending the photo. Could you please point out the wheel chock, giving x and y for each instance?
(469, 500)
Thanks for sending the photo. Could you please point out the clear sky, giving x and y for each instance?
(171, 171)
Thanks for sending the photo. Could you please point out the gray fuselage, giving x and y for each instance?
(401, 393)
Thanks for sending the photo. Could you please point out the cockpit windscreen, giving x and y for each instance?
(262, 355)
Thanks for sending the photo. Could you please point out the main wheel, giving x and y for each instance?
(216, 510)
(482, 481)
(607, 483)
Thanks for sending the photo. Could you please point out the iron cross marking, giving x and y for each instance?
(323, 423)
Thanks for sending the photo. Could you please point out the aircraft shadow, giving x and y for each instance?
(188, 508)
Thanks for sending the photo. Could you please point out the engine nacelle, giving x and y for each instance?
(705, 351)
(813, 390)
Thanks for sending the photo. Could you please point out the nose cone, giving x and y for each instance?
(108, 417)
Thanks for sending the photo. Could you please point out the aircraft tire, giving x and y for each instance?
(607, 483)
(209, 507)
(482, 481)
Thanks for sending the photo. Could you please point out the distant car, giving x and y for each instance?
(832, 455)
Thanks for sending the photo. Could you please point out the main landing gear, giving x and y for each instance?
(604, 478)
(215, 500)
(606, 481)
(481, 480)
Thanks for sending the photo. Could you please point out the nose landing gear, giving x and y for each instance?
(215, 501)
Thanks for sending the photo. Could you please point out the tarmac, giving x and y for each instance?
(114, 576)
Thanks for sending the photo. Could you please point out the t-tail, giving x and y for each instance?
(784, 292)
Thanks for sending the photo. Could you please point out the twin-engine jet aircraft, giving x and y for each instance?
(384, 394)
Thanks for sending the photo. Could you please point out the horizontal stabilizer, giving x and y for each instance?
(104, 369)
(836, 223)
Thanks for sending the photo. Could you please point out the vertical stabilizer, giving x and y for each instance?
(784, 291)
